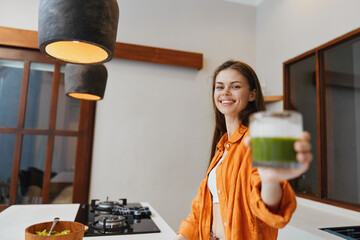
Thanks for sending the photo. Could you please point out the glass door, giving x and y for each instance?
(43, 157)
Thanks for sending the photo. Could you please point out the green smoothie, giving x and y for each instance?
(273, 151)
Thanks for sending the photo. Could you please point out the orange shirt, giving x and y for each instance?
(244, 214)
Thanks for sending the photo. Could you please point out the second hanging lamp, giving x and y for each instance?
(85, 82)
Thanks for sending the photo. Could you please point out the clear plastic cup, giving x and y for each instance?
(273, 135)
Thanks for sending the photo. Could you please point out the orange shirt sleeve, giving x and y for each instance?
(190, 227)
(287, 205)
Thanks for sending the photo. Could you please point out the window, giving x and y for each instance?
(324, 85)
(45, 137)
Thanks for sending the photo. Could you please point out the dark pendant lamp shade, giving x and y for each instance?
(78, 31)
(86, 82)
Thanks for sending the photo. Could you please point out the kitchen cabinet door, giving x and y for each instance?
(324, 85)
(302, 98)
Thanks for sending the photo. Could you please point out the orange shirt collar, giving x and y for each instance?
(235, 137)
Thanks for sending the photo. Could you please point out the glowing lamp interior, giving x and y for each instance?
(76, 52)
(84, 96)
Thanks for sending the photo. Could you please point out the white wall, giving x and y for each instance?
(154, 127)
(286, 29)
(21, 14)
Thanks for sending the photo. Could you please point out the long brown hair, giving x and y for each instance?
(254, 106)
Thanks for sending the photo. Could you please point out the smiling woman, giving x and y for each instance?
(236, 200)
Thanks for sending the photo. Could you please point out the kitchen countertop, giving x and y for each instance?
(311, 215)
(16, 218)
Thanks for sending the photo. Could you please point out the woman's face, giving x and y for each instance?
(232, 92)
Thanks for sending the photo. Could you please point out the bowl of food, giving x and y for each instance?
(63, 230)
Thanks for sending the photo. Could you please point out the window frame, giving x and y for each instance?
(321, 113)
(85, 132)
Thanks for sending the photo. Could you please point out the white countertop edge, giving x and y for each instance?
(14, 220)
(311, 215)
(327, 207)
(159, 221)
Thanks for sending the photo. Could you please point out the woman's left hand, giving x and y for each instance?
(303, 155)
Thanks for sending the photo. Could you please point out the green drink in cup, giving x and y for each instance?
(273, 135)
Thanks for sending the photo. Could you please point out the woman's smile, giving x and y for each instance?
(227, 102)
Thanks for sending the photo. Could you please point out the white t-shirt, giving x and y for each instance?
(212, 181)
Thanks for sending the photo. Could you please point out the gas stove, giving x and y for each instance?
(350, 232)
(115, 218)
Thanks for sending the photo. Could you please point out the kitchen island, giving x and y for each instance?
(16, 218)
(311, 216)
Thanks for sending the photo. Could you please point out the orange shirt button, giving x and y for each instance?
(225, 224)
(219, 191)
(227, 145)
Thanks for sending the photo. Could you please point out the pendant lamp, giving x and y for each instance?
(78, 31)
(86, 82)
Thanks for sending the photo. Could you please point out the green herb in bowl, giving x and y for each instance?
(45, 233)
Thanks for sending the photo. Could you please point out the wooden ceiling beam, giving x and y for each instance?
(29, 39)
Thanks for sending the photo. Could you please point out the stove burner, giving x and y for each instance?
(97, 228)
(137, 212)
(113, 224)
(112, 221)
(106, 206)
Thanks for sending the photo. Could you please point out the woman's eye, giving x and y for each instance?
(236, 86)
(219, 87)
